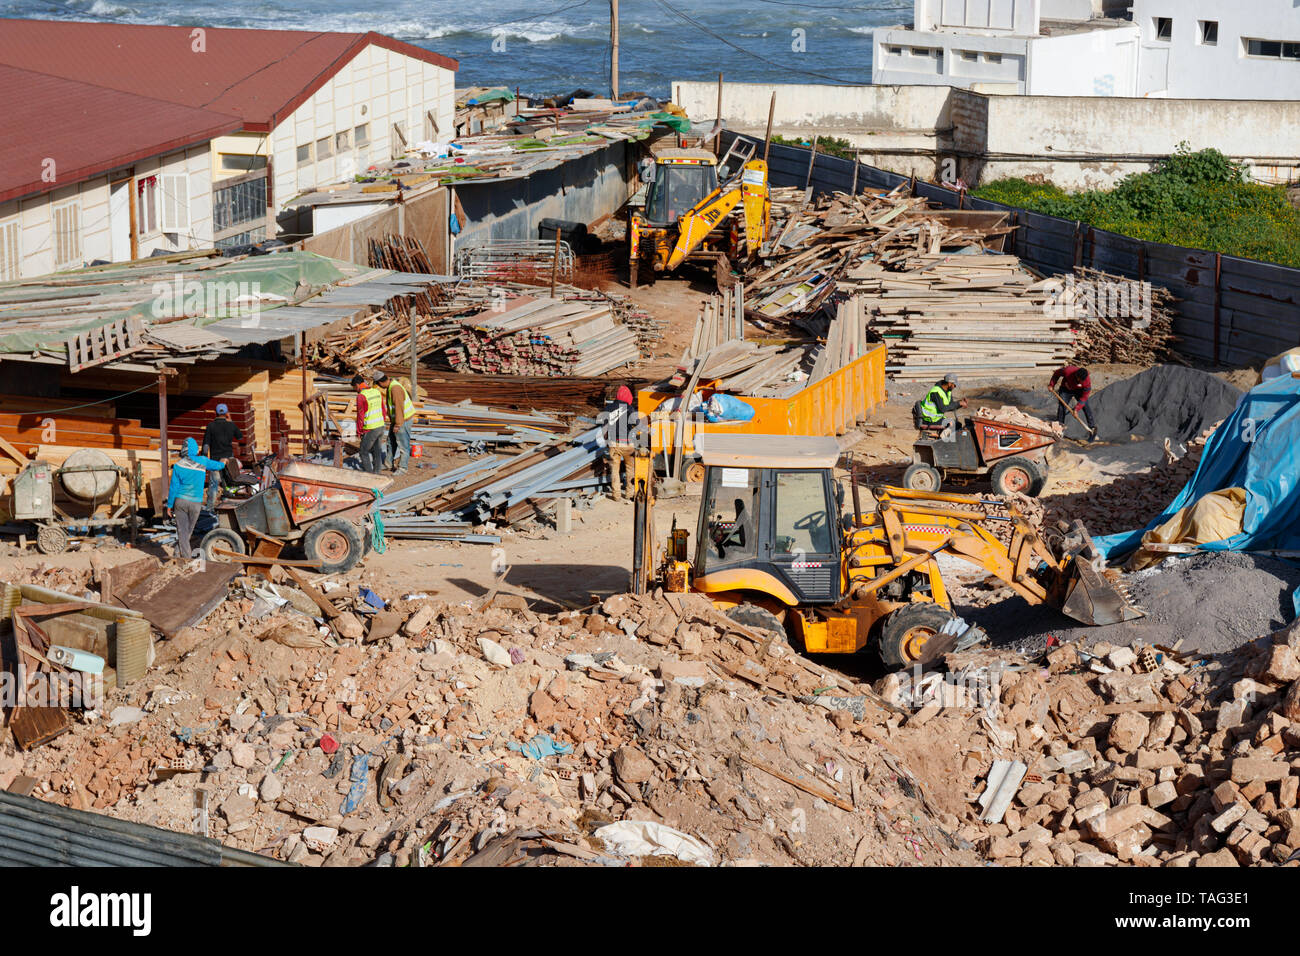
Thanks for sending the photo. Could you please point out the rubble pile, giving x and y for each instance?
(1132, 500)
(491, 734)
(1119, 754)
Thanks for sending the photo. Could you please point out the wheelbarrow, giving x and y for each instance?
(1013, 456)
(324, 509)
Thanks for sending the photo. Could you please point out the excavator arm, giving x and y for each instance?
(694, 225)
(910, 528)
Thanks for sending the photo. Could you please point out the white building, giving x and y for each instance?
(1176, 48)
(1211, 49)
(121, 141)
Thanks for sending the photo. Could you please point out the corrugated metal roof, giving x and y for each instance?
(36, 833)
(253, 78)
(86, 130)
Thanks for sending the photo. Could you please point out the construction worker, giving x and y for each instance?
(185, 495)
(372, 424)
(927, 414)
(219, 442)
(397, 402)
(620, 420)
(1076, 384)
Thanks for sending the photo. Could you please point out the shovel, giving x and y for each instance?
(1092, 432)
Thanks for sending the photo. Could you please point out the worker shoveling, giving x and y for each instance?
(773, 552)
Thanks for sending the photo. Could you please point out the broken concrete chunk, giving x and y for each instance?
(494, 653)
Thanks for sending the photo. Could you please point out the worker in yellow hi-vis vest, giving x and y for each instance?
(397, 400)
(372, 424)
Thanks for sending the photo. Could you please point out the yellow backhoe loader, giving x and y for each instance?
(775, 550)
(688, 210)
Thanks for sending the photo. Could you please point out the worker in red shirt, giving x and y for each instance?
(372, 424)
(1076, 384)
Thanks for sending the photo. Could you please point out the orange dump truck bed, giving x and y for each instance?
(830, 406)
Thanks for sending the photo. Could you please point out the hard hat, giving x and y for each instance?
(624, 394)
(950, 378)
(222, 409)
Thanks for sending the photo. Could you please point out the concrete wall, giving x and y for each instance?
(1222, 70)
(1094, 63)
(894, 125)
(1090, 143)
(1074, 141)
(584, 190)
(1019, 17)
(105, 223)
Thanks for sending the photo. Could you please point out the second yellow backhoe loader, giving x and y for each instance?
(688, 211)
(774, 550)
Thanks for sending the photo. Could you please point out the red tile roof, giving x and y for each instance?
(86, 130)
(254, 77)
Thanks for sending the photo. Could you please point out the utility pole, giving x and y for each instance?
(613, 47)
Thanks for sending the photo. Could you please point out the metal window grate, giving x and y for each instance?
(243, 202)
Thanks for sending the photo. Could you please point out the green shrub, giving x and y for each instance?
(1200, 199)
(830, 145)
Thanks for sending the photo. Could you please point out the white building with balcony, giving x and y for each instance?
(1175, 48)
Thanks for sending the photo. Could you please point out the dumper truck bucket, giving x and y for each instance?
(1092, 598)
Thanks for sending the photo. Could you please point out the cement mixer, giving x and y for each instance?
(88, 492)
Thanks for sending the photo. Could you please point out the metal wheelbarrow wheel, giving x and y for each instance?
(336, 545)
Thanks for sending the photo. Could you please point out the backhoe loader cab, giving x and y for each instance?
(681, 178)
(688, 210)
(769, 520)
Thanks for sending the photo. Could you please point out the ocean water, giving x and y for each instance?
(556, 46)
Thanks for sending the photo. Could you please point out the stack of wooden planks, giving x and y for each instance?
(399, 253)
(981, 314)
(544, 336)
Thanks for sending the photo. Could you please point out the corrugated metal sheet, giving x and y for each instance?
(36, 833)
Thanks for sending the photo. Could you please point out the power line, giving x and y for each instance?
(758, 56)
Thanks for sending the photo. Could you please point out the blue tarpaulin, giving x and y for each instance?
(1256, 448)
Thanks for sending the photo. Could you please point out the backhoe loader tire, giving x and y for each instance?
(922, 477)
(905, 635)
(1017, 476)
(751, 615)
(336, 545)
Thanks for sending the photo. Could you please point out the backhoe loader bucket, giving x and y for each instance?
(1092, 598)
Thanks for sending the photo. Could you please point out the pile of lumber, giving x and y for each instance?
(815, 241)
(1102, 336)
(399, 253)
(544, 336)
(981, 314)
(26, 431)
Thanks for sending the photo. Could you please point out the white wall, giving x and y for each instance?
(35, 214)
(1093, 63)
(1018, 17)
(896, 60)
(377, 88)
(1222, 70)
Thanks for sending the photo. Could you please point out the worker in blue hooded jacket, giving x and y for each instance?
(185, 497)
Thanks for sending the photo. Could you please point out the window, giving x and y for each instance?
(895, 51)
(238, 204)
(67, 234)
(803, 523)
(1209, 32)
(304, 154)
(398, 142)
(1164, 28)
(969, 55)
(10, 254)
(146, 222)
(325, 147)
(343, 141)
(175, 202)
(993, 57)
(239, 163)
(1272, 49)
(430, 126)
(920, 51)
(729, 519)
(361, 135)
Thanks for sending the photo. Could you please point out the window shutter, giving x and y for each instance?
(9, 254)
(175, 202)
